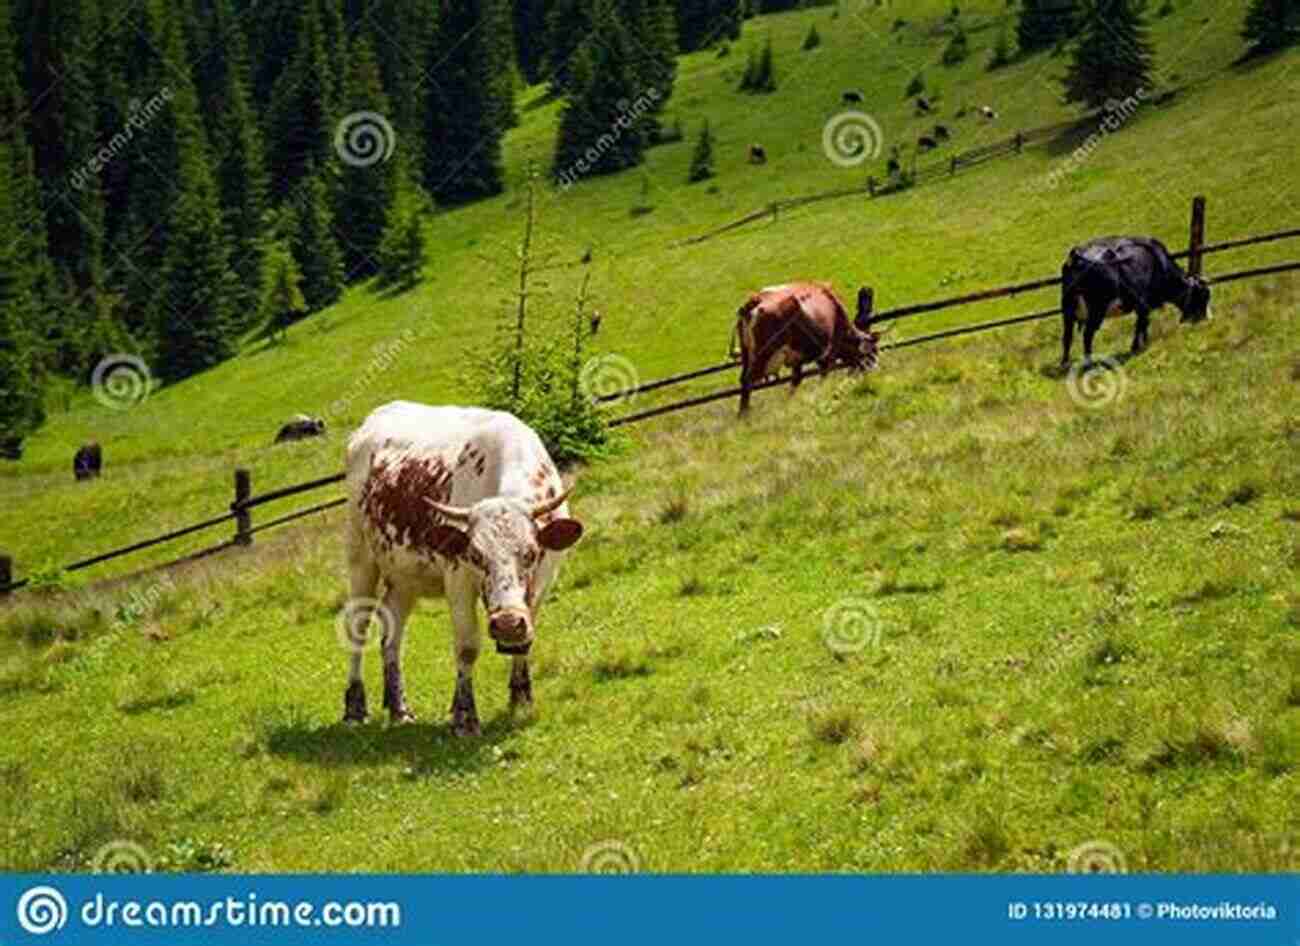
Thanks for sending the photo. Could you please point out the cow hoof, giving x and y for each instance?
(465, 728)
(401, 718)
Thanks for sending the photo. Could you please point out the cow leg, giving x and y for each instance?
(398, 605)
(796, 376)
(461, 596)
(745, 380)
(363, 580)
(1067, 332)
(1089, 330)
(521, 684)
(1142, 331)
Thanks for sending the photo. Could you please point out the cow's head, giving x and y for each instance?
(500, 539)
(868, 339)
(1195, 304)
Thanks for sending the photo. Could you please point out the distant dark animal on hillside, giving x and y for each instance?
(941, 133)
(923, 105)
(757, 154)
(87, 462)
(595, 322)
(794, 324)
(988, 112)
(1111, 275)
(894, 167)
(962, 112)
(300, 428)
(925, 143)
(852, 96)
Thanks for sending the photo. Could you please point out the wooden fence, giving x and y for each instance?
(932, 171)
(244, 501)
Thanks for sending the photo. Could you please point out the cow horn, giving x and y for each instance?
(550, 505)
(452, 513)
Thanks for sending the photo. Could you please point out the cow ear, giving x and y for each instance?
(449, 541)
(558, 534)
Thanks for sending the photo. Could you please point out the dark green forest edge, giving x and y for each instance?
(181, 179)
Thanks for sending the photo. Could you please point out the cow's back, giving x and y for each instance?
(405, 454)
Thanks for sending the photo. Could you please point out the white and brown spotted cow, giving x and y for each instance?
(457, 502)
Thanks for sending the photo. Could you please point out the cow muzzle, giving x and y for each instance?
(511, 630)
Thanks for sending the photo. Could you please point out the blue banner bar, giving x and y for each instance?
(430, 910)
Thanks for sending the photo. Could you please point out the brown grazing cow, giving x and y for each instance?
(797, 323)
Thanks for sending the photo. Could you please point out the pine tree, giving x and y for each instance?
(303, 108)
(29, 271)
(367, 188)
(702, 160)
(21, 390)
(595, 134)
(1272, 24)
(241, 174)
(652, 47)
(760, 73)
(402, 251)
(313, 243)
(530, 39)
(64, 135)
(567, 23)
(704, 22)
(283, 302)
(1113, 58)
(461, 130)
(499, 30)
(1044, 23)
(399, 32)
(195, 284)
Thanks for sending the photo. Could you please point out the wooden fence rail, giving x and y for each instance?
(245, 501)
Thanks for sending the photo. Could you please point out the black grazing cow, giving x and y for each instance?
(87, 462)
(300, 428)
(1125, 274)
(941, 133)
(595, 321)
(757, 154)
(925, 143)
(923, 106)
(852, 96)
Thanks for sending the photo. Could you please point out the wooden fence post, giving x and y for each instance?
(243, 518)
(6, 573)
(1196, 259)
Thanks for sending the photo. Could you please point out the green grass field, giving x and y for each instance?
(949, 617)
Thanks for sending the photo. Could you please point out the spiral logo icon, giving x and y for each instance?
(609, 378)
(851, 625)
(850, 138)
(1097, 857)
(120, 381)
(610, 857)
(42, 910)
(363, 139)
(122, 857)
(353, 626)
(1097, 389)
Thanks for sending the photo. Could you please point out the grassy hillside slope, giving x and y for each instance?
(946, 618)
(956, 615)
(169, 459)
